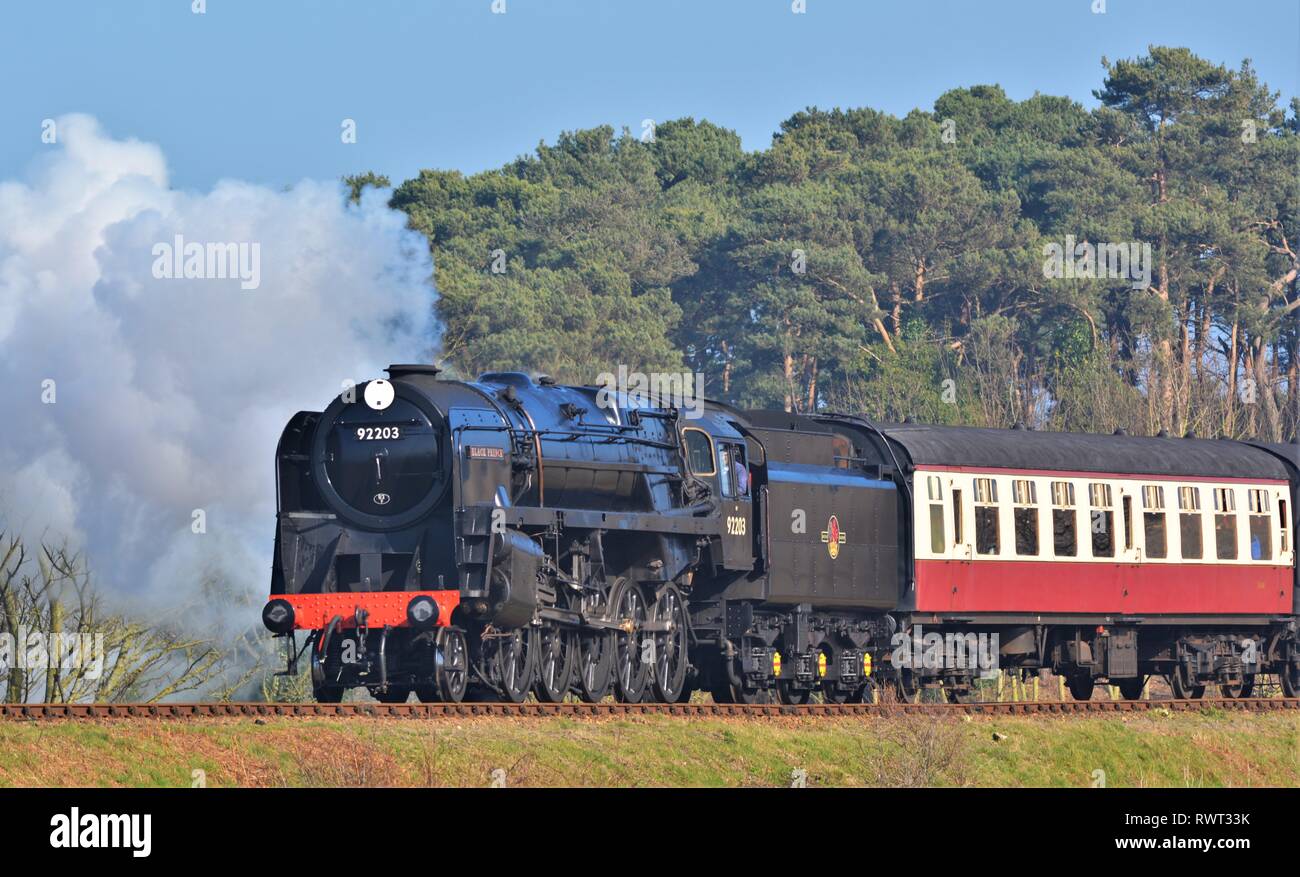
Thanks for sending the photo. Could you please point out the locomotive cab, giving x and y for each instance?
(722, 462)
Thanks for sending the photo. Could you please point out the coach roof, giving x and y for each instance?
(1289, 452)
(1083, 452)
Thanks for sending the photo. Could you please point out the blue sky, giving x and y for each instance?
(257, 89)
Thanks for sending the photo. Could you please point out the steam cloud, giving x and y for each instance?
(171, 393)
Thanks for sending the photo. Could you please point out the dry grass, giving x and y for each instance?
(1202, 749)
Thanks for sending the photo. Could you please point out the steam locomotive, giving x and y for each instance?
(508, 537)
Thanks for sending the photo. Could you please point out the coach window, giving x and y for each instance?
(1103, 520)
(1261, 525)
(699, 451)
(1153, 521)
(1225, 523)
(1065, 520)
(958, 534)
(1189, 522)
(934, 489)
(1025, 498)
(987, 520)
(1285, 543)
(1128, 522)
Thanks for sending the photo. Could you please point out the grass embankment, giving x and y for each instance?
(1205, 749)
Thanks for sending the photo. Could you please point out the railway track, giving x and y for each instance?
(57, 711)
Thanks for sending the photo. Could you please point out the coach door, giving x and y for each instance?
(737, 505)
(1128, 523)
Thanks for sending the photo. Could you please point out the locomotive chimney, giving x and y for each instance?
(404, 369)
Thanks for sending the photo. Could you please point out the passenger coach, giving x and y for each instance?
(1111, 557)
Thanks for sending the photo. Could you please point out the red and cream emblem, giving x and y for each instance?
(834, 537)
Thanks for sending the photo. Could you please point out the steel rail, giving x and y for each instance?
(59, 711)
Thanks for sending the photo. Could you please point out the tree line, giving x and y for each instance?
(986, 262)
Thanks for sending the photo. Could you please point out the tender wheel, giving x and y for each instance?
(1081, 687)
(1244, 688)
(959, 694)
(752, 695)
(1182, 686)
(1290, 674)
(831, 694)
(867, 693)
(394, 694)
(787, 693)
(516, 667)
(1131, 689)
(555, 661)
(631, 670)
(721, 693)
(671, 657)
(451, 672)
(906, 687)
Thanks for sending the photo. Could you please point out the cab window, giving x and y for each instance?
(733, 475)
(699, 452)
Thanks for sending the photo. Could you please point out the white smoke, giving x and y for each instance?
(170, 394)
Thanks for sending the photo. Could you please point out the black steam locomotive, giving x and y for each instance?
(503, 537)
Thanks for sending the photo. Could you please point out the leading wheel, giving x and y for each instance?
(670, 645)
(451, 672)
(555, 660)
(631, 654)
